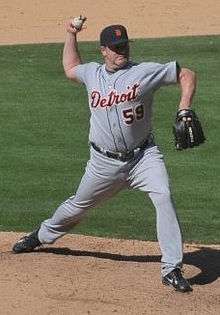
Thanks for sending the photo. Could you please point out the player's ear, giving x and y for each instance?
(103, 51)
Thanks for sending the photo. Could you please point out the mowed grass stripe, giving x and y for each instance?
(44, 122)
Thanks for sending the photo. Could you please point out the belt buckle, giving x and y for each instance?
(119, 155)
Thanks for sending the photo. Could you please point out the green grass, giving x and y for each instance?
(44, 122)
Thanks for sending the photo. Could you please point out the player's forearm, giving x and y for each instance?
(187, 81)
(71, 56)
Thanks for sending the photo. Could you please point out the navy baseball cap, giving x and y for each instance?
(113, 35)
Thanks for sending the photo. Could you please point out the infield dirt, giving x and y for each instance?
(85, 275)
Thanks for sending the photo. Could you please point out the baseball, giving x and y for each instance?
(77, 22)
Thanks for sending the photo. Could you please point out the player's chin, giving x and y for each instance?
(121, 61)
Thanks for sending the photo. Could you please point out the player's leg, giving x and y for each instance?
(92, 190)
(102, 179)
(150, 175)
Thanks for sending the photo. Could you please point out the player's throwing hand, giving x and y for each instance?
(76, 24)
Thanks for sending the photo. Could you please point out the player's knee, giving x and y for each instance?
(77, 207)
(162, 197)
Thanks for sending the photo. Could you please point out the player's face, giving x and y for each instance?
(116, 56)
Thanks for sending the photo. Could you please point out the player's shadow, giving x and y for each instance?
(206, 259)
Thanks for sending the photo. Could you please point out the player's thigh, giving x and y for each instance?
(93, 189)
(150, 173)
(100, 182)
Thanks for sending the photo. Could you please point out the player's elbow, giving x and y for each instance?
(70, 73)
(188, 78)
(187, 75)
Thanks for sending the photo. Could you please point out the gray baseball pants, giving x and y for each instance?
(103, 178)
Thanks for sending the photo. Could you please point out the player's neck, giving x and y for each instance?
(112, 69)
(109, 70)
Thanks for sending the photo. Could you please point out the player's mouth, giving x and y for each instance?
(121, 57)
(121, 61)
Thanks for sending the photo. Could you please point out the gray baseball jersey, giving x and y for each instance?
(121, 102)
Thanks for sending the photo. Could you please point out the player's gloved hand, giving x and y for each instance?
(187, 130)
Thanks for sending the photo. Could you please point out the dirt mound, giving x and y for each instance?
(86, 275)
(24, 21)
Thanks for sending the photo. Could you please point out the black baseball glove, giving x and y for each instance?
(187, 130)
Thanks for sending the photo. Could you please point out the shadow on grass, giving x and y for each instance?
(205, 258)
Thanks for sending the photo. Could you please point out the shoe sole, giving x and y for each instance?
(170, 286)
(22, 251)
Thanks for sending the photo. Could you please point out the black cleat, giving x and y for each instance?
(177, 281)
(27, 243)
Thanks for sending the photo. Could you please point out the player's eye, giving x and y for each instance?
(120, 48)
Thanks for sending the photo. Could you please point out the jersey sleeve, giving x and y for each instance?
(170, 72)
(162, 74)
(83, 71)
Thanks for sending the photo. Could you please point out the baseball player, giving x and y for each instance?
(123, 153)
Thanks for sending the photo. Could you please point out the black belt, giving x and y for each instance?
(122, 156)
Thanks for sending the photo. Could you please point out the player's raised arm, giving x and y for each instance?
(187, 81)
(71, 56)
